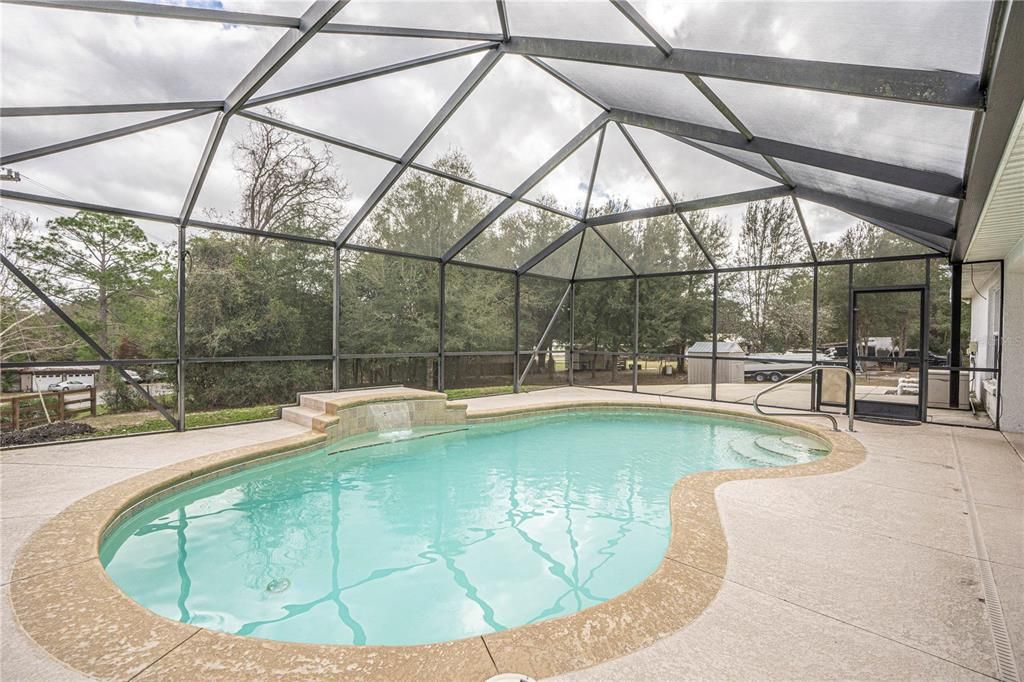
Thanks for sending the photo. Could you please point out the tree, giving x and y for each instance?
(425, 214)
(95, 262)
(769, 236)
(27, 330)
(286, 184)
(250, 295)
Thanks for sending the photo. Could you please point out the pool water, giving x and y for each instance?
(442, 536)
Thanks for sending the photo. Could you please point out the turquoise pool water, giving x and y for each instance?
(433, 538)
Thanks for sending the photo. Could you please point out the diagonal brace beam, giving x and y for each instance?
(312, 20)
(422, 140)
(693, 205)
(642, 25)
(529, 183)
(558, 243)
(544, 336)
(367, 74)
(165, 11)
(68, 145)
(59, 312)
(89, 109)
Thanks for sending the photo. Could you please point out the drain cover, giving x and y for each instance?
(278, 585)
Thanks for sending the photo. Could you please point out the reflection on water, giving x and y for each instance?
(423, 540)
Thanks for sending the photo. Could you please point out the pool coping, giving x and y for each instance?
(100, 631)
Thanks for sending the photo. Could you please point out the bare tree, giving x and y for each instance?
(287, 185)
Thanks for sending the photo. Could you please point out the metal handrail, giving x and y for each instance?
(804, 372)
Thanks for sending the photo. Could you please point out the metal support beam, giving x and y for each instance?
(179, 324)
(367, 74)
(403, 32)
(938, 88)
(165, 11)
(27, 197)
(694, 205)
(263, 234)
(955, 328)
(100, 137)
(96, 348)
(441, 290)
(567, 82)
(544, 336)
(667, 194)
(567, 149)
(923, 180)
(422, 140)
(636, 332)
(714, 335)
(773, 176)
(643, 26)
(312, 134)
(319, 136)
(90, 109)
(572, 333)
(310, 23)
(593, 171)
(816, 381)
(612, 248)
(515, 360)
(803, 226)
(503, 19)
(336, 321)
(558, 243)
(773, 266)
(579, 255)
(875, 212)
(735, 122)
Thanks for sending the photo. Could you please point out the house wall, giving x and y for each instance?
(35, 382)
(1012, 416)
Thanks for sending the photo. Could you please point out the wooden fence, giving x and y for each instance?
(33, 409)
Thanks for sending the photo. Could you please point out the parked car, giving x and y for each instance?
(157, 375)
(69, 385)
(135, 376)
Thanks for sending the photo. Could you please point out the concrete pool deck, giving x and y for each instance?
(872, 572)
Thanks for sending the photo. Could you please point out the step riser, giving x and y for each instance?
(290, 414)
(313, 402)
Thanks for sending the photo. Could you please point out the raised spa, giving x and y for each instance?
(437, 537)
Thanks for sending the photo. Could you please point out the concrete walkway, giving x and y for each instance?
(876, 572)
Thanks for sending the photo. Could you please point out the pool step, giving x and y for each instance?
(805, 443)
(758, 456)
(777, 450)
(303, 416)
(794, 448)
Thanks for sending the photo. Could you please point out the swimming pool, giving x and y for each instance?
(433, 538)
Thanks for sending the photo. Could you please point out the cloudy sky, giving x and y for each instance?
(511, 123)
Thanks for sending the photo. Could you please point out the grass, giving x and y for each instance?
(194, 420)
(477, 392)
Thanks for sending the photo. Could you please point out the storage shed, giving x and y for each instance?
(730, 363)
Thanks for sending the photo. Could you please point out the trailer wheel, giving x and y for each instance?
(776, 377)
(760, 377)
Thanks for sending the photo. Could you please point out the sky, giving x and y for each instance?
(508, 127)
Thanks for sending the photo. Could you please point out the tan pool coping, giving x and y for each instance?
(103, 633)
